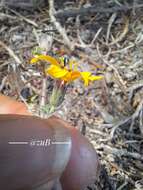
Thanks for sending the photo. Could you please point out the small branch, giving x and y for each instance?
(58, 26)
(137, 114)
(117, 75)
(11, 52)
(133, 89)
(3, 83)
(119, 124)
(110, 22)
(23, 18)
(122, 152)
(123, 34)
(92, 10)
(130, 120)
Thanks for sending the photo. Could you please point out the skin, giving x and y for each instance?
(9, 106)
(83, 166)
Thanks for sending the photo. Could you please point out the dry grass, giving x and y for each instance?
(109, 112)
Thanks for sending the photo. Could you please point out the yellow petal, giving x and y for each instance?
(92, 77)
(85, 76)
(71, 76)
(46, 58)
(75, 75)
(56, 71)
(67, 77)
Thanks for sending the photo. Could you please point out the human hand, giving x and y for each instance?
(75, 163)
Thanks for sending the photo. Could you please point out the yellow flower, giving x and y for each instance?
(69, 76)
(62, 73)
(87, 77)
(56, 70)
(46, 58)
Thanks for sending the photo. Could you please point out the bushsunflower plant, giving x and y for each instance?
(63, 71)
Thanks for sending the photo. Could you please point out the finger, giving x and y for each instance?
(31, 155)
(78, 165)
(9, 106)
(83, 167)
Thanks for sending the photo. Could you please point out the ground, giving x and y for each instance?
(109, 112)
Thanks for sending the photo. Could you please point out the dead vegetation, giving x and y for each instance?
(108, 39)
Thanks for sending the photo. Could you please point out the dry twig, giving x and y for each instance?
(58, 26)
(123, 152)
(138, 114)
(29, 21)
(94, 9)
(123, 34)
(3, 83)
(110, 22)
(133, 89)
(116, 73)
(11, 52)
